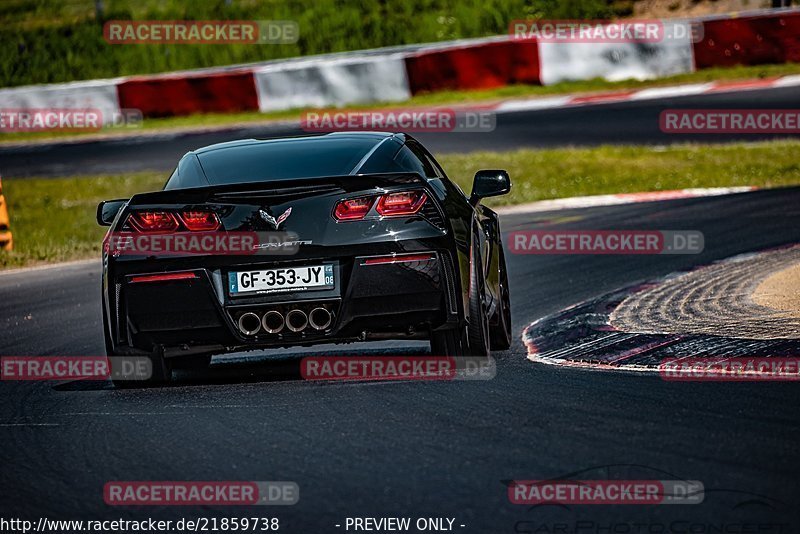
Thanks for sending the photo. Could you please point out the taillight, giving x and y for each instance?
(353, 209)
(153, 221)
(388, 205)
(402, 203)
(398, 258)
(166, 277)
(200, 221)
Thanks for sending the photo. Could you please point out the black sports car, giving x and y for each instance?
(331, 238)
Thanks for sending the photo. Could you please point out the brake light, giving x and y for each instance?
(402, 203)
(389, 205)
(166, 277)
(402, 258)
(200, 221)
(153, 221)
(353, 209)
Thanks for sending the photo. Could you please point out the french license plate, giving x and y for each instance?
(285, 279)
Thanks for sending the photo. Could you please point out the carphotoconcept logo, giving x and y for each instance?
(121, 32)
(606, 242)
(587, 501)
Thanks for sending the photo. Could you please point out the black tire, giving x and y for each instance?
(500, 333)
(106, 338)
(161, 372)
(447, 342)
(478, 326)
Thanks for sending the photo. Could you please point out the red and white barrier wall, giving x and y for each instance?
(564, 61)
(185, 94)
(398, 73)
(474, 66)
(750, 40)
(320, 83)
(100, 95)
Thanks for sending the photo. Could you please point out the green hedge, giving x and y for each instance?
(47, 41)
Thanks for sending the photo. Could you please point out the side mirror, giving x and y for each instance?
(489, 183)
(108, 209)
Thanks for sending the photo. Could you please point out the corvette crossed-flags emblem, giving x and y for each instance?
(275, 223)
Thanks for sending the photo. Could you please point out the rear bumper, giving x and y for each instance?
(401, 300)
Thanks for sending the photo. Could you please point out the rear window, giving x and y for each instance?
(306, 158)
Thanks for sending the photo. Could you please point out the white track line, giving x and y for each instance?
(622, 198)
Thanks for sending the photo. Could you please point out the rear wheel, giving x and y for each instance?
(478, 327)
(500, 334)
(474, 340)
(447, 342)
(161, 372)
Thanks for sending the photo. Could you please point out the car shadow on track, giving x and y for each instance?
(254, 367)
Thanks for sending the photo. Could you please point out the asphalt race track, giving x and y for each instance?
(438, 449)
(633, 122)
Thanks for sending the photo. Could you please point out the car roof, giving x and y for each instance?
(285, 158)
(377, 137)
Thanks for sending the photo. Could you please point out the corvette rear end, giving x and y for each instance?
(356, 258)
(257, 244)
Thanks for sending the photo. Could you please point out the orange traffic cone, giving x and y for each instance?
(6, 239)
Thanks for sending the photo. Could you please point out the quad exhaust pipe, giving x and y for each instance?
(296, 320)
(249, 323)
(319, 318)
(273, 322)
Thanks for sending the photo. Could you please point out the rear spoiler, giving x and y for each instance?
(278, 188)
